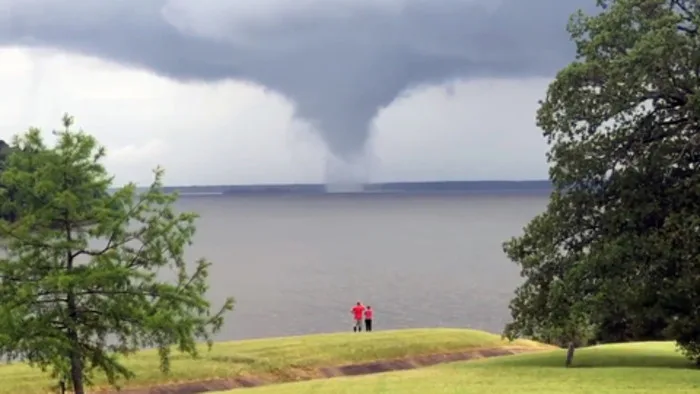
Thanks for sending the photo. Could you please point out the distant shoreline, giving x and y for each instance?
(404, 188)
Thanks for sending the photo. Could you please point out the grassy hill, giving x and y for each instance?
(636, 368)
(275, 360)
(277, 364)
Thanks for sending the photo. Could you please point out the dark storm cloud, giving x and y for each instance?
(339, 61)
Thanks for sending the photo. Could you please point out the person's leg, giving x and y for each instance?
(368, 325)
(358, 322)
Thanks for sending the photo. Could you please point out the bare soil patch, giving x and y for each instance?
(298, 374)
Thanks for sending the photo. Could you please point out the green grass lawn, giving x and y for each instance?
(278, 358)
(637, 368)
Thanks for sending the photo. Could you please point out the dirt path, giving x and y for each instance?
(325, 372)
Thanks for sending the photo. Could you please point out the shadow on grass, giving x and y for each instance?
(234, 359)
(591, 358)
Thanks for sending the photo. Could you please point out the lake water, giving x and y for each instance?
(297, 264)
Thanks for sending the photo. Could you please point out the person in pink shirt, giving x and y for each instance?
(368, 318)
(358, 312)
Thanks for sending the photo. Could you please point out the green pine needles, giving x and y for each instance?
(78, 273)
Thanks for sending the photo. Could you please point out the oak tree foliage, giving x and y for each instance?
(616, 254)
(81, 266)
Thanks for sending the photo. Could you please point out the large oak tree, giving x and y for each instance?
(616, 254)
(78, 274)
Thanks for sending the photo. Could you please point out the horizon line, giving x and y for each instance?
(366, 184)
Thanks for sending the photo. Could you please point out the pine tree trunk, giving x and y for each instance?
(76, 362)
(76, 372)
(570, 354)
(76, 356)
(76, 359)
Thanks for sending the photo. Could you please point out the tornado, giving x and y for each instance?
(340, 62)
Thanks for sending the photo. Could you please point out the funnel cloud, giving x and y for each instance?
(339, 61)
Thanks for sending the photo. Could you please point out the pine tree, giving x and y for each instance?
(78, 279)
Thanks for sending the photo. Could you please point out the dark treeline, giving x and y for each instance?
(537, 187)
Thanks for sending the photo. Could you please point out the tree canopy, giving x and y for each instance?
(79, 270)
(616, 256)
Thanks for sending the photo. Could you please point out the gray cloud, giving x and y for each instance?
(338, 61)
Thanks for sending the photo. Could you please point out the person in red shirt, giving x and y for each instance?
(358, 312)
(368, 318)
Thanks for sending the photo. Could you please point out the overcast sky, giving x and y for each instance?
(270, 91)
